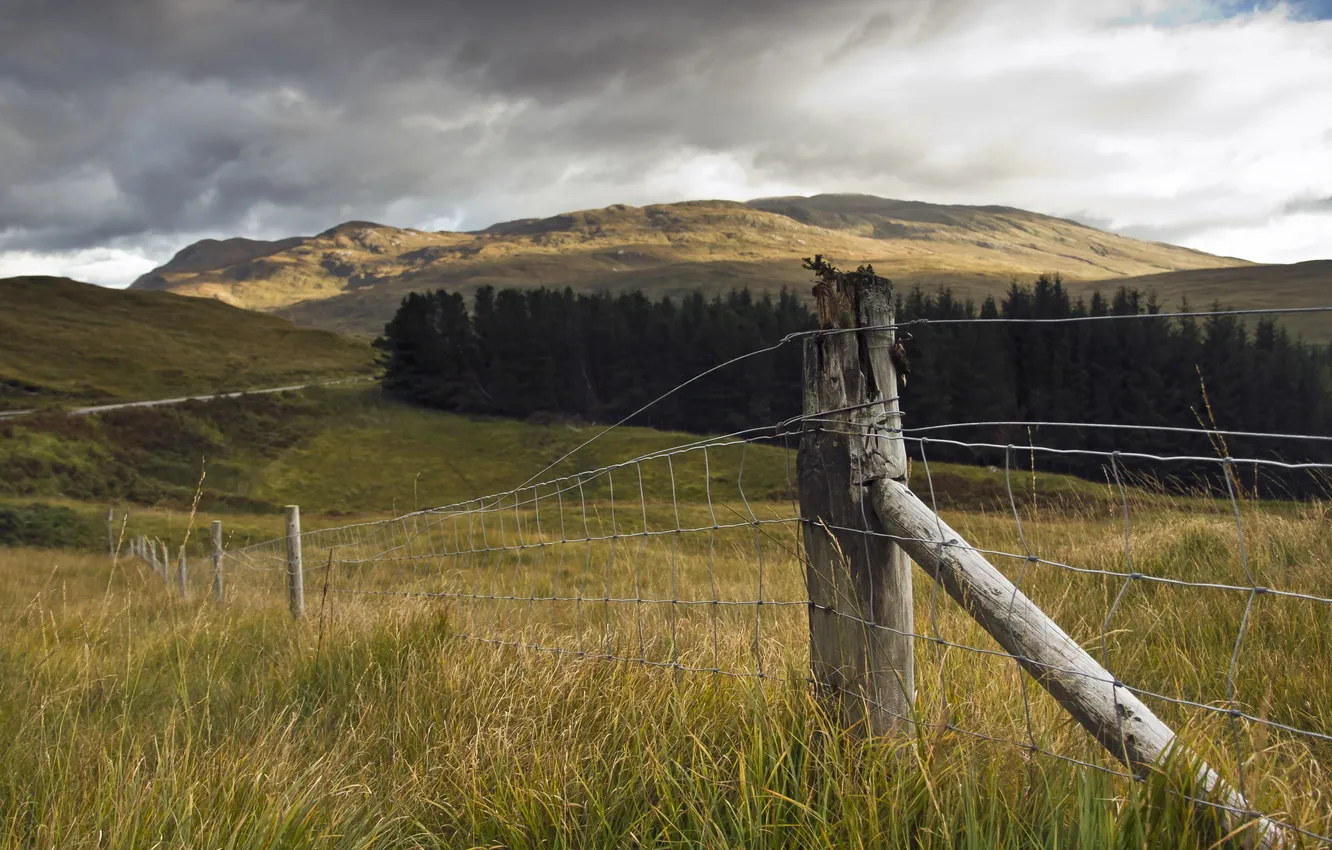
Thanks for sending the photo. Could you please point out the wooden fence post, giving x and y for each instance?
(152, 557)
(295, 574)
(1104, 706)
(111, 531)
(183, 575)
(859, 582)
(217, 560)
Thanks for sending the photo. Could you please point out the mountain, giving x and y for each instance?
(61, 340)
(351, 277)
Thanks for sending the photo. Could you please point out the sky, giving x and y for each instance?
(132, 128)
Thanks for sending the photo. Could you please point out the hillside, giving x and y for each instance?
(352, 276)
(61, 340)
(343, 452)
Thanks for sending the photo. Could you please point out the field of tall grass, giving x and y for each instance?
(131, 718)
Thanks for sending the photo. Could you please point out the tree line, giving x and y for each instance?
(602, 357)
(1211, 372)
(599, 357)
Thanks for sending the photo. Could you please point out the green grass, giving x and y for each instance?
(129, 719)
(345, 451)
(63, 341)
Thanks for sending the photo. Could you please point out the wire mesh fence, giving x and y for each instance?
(691, 560)
(1209, 602)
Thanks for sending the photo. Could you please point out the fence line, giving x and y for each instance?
(498, 533)
(717, 582)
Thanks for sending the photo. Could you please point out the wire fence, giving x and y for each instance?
(1211, 605)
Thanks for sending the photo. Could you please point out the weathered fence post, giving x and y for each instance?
(183, 575)
(152, 556)
(217, 560)
(1102, 704)
(859, 582)
(295, 574)
(111, 531)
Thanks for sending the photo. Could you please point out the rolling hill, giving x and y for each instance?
(351, 277)
(348, 451)
(61, 340)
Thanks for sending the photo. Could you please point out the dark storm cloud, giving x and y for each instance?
(184, 115)
(132, 124)
(507, 45)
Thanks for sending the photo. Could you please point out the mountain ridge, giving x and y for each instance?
(351, 277)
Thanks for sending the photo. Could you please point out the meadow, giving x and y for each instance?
(408, 708)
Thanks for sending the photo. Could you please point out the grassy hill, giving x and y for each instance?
(61, 340)
(352, 276)
(345, 451)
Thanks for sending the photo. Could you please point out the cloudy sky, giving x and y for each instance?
(130, 128)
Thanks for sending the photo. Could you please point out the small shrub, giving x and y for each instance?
(47, 526)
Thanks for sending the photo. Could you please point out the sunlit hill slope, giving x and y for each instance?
(351, 277)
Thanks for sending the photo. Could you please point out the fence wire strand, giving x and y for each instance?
(495, 552)
(691, 559)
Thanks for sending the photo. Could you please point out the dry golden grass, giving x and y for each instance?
(132, 719)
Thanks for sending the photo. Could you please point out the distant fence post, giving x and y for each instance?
(859, 582)
(152, 556)
(183, 575)
(295, 575)
(111, 531)
(217, 560)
